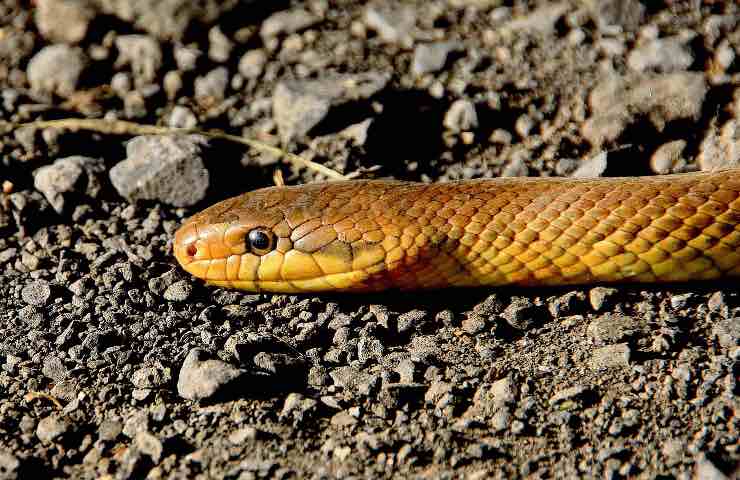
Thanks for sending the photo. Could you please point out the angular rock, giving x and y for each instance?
(461, 116)
(432, 57)
(393, 24)
(201, 378)
(142, 53)
(619, 102)
(721, 148)
(154, 376)
(300, 105)
(68, 178)
(36, 293)
(727, 332)
(166, 168)
(56, 69)
(51, 428)
(592, 167)
(611, 356)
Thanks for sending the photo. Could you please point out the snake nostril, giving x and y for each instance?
(191, 250)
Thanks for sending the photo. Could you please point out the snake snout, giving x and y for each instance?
(185, 245)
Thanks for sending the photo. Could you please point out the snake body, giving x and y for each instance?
(379, 234)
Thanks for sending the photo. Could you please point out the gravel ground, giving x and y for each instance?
(116, 364)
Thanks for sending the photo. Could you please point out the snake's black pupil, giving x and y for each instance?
(259, 240)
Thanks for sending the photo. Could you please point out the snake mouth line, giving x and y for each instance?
(346, 281)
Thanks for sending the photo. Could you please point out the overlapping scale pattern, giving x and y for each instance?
(373, 235)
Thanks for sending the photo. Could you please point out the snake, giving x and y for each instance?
(374, 235)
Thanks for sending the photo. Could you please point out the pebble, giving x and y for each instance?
(242, 435)
(178, 291)
(155, 376)
(166, 168)
(109, 430)
(612, 328)
(252, 63)
(432, 57)
(300, 105)
(56, 69)
(211, 87)
(599, 296)
(36, 293)
(668, 157)
(593, 167)
(219, 45)
(411, 321)
(149, 445)
(568, 394)
(63, 21)
(63, 179)
(461, 116)
(627, 14)
(727, 332)
(172, 84)
(393, 24)
(720, 147)
(541, 21)
(287, 22)
(517, 167)
(9, 466)
(142, 53)
(298, 407)
(182, 117)
(54, 368)
(186, 57)
(522, 314)
(201, 378)
(618, 102)
(670, 54)
(611, 356)
(51, 428)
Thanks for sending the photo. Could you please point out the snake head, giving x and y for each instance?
(286, 239)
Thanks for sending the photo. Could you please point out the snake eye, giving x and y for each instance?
(260, 241)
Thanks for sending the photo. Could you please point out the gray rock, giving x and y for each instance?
(36, 293)
(598, 296)
(618, 102)
(592, 167)
(109, 430)
(394, 23)
(138, 421)
(287, 368)
(149, 445)
(178, 291)
(522, 314)
(490, 398)
(63, 21)
(411, 321)
(287, 22)
(242, 435)
(252, 63)
(54, 368)
(56, 69)
(182, 117)
(201, 378)
(461, 116)
(211, 87)
(668, 157)
(166, 19)
(9, 465)
(300, 105)
(720, 148)
(612, 328)
(219, 45)
(51, 428)
(432, 57)
(626, 13)
(727, 332)
(164, 168)
(517, 167)
(154, 376)
(68, 177)
(298, 407)
(669, 54)
(143, 54)
(186, 57)
(611, 356)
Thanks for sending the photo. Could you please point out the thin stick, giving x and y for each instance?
(122, 127)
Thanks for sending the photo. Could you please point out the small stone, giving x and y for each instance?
(300, 105)
(182, 117)
(611, 356)
(121, 83)
(599, 296)
(252, 63)
(149, 445)
(289, 368)
(219, 45)
(473, 324)
(298, 407)
(618, 102)
(142, 53)
(186, 57)
(625, 13)
(727, 332)
(155, 376)
(411, 321)
(201, 378)
(109, 430)
(36, 293)
(522, 314)
(612, 328)
(461, 116)
(393, 24)
(243, 435)
(287, 22)
(592, 167)
(704, 469)
(432, 57)
(720, 148)
(540, 21)
(668, 157)
(54, 368)
(172, 85)
(669, 54)
(517, 167)
(568, 394)
(56, 69)
(68, 177)
(167, 168)
(51, 428)
(178, 291)
(212, 86)
(63, 21)
(9, 465)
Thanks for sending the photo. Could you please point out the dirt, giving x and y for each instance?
(117, 364)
